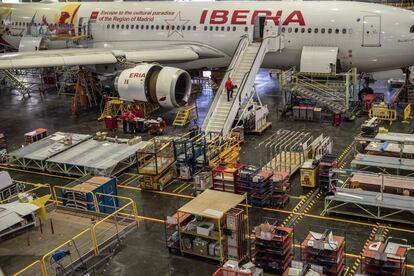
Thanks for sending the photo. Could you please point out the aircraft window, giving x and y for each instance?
(246, 29)
(162, 27)
(217, 28)
(113, 26)
(142, 27)
(205, 28)
(157, 27)
(234, 28)
(309, 30)
(20, 23)
(228, 28)
(296, 30)
(127, 26)
(167, 27)
(283, 29)
(329, 31)
(302, 30)
(122, 26)
(117, 26)
(316, 30)
(412, 29)
(211, 28)
(194, 28)
(146, 27)
(222, 28)
(337, 31)
(344, 31)
(108, 26)
(323, 30)
(289, 30)
(152, 27)
(133, 26)
(178, 27)
(172, 27)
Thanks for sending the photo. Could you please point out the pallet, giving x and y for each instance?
(261, 130)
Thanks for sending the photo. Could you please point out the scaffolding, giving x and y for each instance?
(336, 92)
(155, 163)
(384, 197)
(84, 240)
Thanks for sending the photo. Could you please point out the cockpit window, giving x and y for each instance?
(412, 29)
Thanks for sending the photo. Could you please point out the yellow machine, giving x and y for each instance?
(308, 174)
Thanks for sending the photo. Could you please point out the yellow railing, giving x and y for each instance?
(90, 239)
(82, 243)
(407, 114)
(383, 113)
(30, 270)
(36, 188)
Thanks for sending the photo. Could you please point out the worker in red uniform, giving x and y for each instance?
(124, 118)
(131, 122)
(139, 112)
(229, 87)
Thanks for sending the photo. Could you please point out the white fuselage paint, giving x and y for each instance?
(386, 29)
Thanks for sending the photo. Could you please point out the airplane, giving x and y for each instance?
(193, 35)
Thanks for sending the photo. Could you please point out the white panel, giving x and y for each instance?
(131, 83)
(318, 59)
(30, 44)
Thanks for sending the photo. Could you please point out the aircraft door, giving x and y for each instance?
(84, 26)
(371, 36)
(258, 30)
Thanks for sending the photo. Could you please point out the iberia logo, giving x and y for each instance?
(94, 15)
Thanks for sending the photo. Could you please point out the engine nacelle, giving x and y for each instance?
(167, 86)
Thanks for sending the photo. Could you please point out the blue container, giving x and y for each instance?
(98, 185)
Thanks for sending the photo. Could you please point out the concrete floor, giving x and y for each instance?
(143, 251)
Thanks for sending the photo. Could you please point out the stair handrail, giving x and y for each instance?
(240, 46)
(244, 80)
(310, 80)
(312, 86)
(319, 86)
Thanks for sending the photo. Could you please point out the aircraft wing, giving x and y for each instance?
(94, 56)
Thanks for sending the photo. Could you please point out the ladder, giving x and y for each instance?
(243, 68)
(184, 116)
(10, 78)
(112, 108)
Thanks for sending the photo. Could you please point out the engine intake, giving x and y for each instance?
(167, 86)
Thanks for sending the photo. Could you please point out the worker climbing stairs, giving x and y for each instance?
(185, 115)
(12, 80)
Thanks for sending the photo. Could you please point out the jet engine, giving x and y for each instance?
(167, 86)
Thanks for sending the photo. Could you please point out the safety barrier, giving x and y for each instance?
(407, 114)
(224, 149)
(383, 113)
(91, 241)
(29, 188)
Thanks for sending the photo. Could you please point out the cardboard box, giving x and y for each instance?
(204, 228)
(200, 246)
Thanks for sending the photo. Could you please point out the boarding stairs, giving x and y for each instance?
(12, 80)
(243, 68)
(323, 95)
